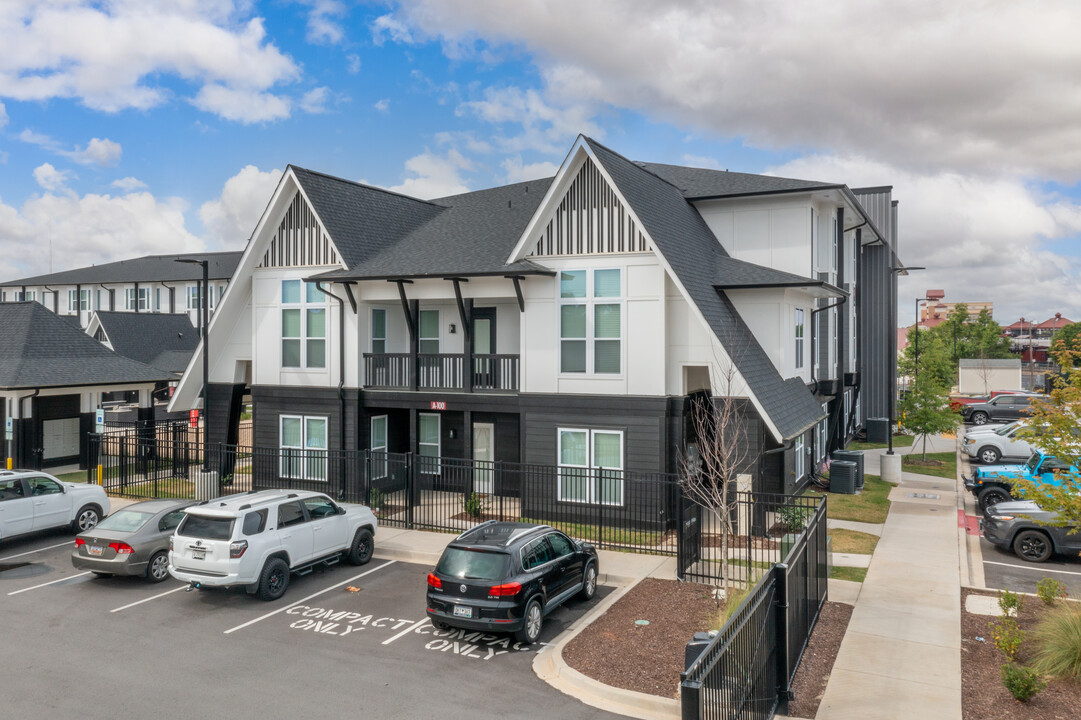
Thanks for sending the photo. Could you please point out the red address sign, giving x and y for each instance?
(439, 405)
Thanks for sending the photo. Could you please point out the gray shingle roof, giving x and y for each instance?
(733, 273)
(691, 249)
(39, 349)
(150, 268)
(699, 183)
(161, 340)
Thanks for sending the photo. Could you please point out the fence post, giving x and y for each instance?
(681, 560)
(410, 488)
(780, 571)
(690, 701)
(497, 486)
(93, 449)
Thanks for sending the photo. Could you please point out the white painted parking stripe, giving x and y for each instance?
(1025, 567)
(155, 597)
(31, 552)
(408, 630)
(303, 600)
(53, 582)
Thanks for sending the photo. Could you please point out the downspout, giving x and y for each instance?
(856, 292)
(341, 383)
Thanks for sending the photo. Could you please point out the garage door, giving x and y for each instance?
(60, 438)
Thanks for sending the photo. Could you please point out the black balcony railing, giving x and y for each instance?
(443, 371)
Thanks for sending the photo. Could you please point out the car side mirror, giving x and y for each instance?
(341, 510)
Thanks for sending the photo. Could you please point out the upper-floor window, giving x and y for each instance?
(157, 299)
(304, 325)
(193, 297)
(28, 295)
(144, 298)
(800, 329)
(129, 299)
(78, 300)
(429, 332)
(379, 331)
(591, 321)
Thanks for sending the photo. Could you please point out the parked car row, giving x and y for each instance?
(992, 443)
(1001, 408)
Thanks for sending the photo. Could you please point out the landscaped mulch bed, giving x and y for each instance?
(646, 658)
(984, 697)
(817, 663)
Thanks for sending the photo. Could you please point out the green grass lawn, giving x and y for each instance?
(850, 541)
(942, 464)
(848, 573)
(79, 476)
(870, 506)
(898, 441)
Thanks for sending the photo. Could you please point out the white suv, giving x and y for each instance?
(31, 501)
(258, 539)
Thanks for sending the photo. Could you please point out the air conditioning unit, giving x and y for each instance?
(852, 379)
(854, 456)
(843, 477)
(878, 430)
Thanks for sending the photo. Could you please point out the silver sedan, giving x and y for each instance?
(131, 541)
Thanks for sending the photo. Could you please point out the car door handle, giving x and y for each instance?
(317, 528)
(39, 502)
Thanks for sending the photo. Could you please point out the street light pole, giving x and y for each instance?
(204, 322)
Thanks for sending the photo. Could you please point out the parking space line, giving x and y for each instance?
(303, 600)
(1036, 569)
(31, 552)
(155, 597)
(53, 582)
(408, 630)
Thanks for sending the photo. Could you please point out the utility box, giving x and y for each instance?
(878, 430)
(696, 647)
(843, 477)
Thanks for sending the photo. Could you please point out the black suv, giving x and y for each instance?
(506, 576)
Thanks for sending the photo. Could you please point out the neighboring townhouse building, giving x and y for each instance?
(160, 340)
(150, 284)
(572, 321)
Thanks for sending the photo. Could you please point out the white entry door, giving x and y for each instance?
(483, 450)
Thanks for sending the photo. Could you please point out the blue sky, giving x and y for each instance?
(129, 127)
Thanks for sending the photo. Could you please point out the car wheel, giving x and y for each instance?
(274, 579)
(1032, 545)
(360, 552)
(158, 567)
(531, 627)
(979, 418)
(992, 496)
(988, 455)
(589, 584)
(87, 517)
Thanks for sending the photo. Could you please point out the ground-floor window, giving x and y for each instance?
(304, 447)
(428, 442)
(590, 466)
(799, 459)
(821, 439)
(379, 446)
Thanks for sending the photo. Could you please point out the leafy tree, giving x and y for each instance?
(960, 337)
(1067, 338)
(925, 409)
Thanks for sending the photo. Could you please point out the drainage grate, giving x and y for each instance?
(925, 496)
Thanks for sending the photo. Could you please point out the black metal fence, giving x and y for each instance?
(746, 671)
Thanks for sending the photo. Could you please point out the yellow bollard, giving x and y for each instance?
(9, 463)
(99, 474)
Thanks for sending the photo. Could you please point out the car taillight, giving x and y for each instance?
(170, 543)
(79, 542)
(122, 548)
(237, 549)
(434, 582)
(505, 590)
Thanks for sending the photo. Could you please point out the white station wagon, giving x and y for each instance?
(32, 501)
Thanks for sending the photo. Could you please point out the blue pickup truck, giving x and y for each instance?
(991, 484)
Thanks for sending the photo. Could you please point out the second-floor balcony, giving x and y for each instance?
(444, 371)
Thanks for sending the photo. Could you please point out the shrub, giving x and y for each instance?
(1010, 603)
(1057, 650)
(474, 505)
(1022, 682)
(793, 518)
(1050, 590)
(376, 499)
(1008, 636)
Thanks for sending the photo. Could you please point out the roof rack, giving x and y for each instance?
(476, 527)
(525, 531)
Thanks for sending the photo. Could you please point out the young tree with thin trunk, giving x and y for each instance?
(925, 410)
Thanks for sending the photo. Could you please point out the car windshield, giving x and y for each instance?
(125, 521)
(472, 564)
(207, 528)
(1033, 462)
(1006, 429)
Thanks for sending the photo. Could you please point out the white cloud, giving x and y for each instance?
(110, 55)
(315, 100)
(701, 161)
(50, 178)
(3, 115)
(101, 152)
(518, 172)
(323, 27)
(242, 105)
(387, 26)
(128, 184)
(352, 65)
(535, 121)
(230, 219)
(382, 105)
(435, 175)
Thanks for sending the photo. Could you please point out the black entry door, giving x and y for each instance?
(485, 365)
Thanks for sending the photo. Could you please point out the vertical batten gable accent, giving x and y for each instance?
(300, 240)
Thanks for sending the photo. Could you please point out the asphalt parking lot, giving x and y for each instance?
(343, 641)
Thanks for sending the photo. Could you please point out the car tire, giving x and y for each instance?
(532, 621)
(589, 583)
(360, 551)
(979, 418)
(989, 455)
(992, 496)
(157, 569)
(87, 517)
(274, 579)
(1032, 546)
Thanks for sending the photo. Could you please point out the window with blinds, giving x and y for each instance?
(591, 321)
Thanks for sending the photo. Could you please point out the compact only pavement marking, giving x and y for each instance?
(302, 600)
(53, 582)
(144, 600)
(31, 552)
(1036, 569)
(408, 630)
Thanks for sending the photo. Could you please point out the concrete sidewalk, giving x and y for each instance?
(901, 655)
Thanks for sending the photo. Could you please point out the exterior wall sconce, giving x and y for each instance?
(453, 328)
(453, 432)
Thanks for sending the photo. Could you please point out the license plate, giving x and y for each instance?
(94, 549)
(198, 553)
(461, 611)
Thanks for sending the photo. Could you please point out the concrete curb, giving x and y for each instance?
(552, 669)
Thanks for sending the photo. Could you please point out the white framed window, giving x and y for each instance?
(73, 301)
(193, 297)
(820, 430)
(800, 455)
(144, 298)
(379, 446)
(303, 443)
(428, 332)
(428, 442)
(591, 321)
(210, 294)
(157, 299)
(27, 296)
(129, 298)
(800, 330)
(304, 325)
(78, 300)
(379, 331)
(590, 466)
